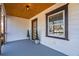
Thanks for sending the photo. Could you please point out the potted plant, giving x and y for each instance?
(37, 41)
(28, 35)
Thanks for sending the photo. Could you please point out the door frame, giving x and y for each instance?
(34, 20)
(4, 30)
(3, 34)
(0, 29)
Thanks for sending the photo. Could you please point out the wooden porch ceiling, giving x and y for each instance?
(20, 9)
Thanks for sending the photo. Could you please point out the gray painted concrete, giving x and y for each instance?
(28, 48)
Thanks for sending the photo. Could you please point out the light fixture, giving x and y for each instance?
(27, 7)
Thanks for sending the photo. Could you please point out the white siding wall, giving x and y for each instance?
(16, 28)
(70, 47)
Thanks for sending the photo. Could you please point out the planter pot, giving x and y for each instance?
(37, 41)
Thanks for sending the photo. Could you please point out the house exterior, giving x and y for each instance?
(16, 28)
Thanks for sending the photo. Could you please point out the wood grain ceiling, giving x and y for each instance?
(19, 9)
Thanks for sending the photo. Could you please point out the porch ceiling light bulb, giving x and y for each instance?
(27, 7)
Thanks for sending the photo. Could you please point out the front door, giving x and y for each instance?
(34, 29)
